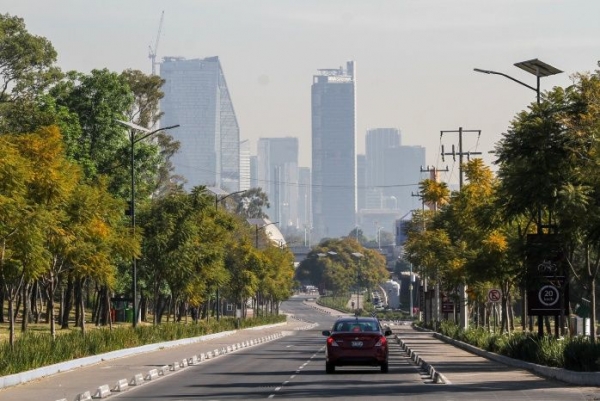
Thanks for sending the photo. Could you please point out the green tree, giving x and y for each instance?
(250, 204)
(26, 71)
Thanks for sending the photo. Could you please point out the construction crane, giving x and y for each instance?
(152, 51)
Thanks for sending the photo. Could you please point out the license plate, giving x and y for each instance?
(357, 344)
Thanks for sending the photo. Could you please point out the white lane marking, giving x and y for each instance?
(296, 373)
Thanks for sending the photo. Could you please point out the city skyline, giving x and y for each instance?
(416, 58)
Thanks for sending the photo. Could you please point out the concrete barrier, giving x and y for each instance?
(84, 396)
(122, 385)
(163, 370)
(152, 374)
(102, 391)
(137, 380)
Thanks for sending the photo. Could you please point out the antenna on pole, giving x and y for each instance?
(152, 51)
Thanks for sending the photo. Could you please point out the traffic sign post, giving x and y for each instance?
(494, 295)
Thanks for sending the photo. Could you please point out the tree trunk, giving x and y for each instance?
(68, 302)
(2, 298)
(593, 313)
(82, 305)
(97, 306)
(109, 309)
(11, 324)
(78, 302)
(143, 308)
(51, 307)
(26, 309)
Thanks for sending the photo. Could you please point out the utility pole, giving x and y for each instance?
(464, 319)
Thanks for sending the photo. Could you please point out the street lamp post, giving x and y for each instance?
(132, 141)
(540, 70)
(358, 256)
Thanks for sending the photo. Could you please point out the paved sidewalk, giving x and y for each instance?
(472, 366)
(73, 384)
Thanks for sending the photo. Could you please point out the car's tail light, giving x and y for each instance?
(382, 341)
(331, 341)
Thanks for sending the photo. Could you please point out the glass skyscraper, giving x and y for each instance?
(278, 176)
(334, 151)
(197, 98)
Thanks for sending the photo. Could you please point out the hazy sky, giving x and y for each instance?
(414, 58)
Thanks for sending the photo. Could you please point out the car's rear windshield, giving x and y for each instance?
(356, 326)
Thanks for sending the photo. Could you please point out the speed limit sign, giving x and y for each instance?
(548, 295)
(494, 295)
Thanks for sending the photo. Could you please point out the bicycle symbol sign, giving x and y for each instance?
(494, 295)
(547, 267)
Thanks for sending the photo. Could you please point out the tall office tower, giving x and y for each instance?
(197, 98)
(254, 172)
(278, 176)
(402, 175)
(334, 151)
(377, 141)
(244, 165)
(361, 182)
(304, 201)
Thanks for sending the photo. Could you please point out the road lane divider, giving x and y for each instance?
(435, 376)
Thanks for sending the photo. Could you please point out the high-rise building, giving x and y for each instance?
(402, 176)
(393, 174)
(197, 98)
(377, 141)
(361, 182)
(304, 203)
(254, 172)
(244, 165)
(278, 176)
(334, 151)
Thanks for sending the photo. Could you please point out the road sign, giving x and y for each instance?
(494, 295)
(548, 295)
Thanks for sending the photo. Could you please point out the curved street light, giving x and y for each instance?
(133, 139)
(535, 67)
(217, 199)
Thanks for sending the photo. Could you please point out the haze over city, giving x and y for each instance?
(414, 59)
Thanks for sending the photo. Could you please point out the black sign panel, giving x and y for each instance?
(546, 279)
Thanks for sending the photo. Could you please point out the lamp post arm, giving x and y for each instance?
(217, 199)
(136, 140)
(506, 76)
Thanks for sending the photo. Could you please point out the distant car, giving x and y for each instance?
(356, 341)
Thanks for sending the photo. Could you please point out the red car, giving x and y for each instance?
(356, 341)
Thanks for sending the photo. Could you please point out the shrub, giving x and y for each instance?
(34, 350)
(581, 355)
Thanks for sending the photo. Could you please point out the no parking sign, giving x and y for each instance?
(494, 295)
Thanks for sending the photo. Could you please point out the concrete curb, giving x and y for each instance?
(563, 375)
(435, 376)
(24, 377)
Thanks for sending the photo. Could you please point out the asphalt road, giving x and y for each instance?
(292, 367)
